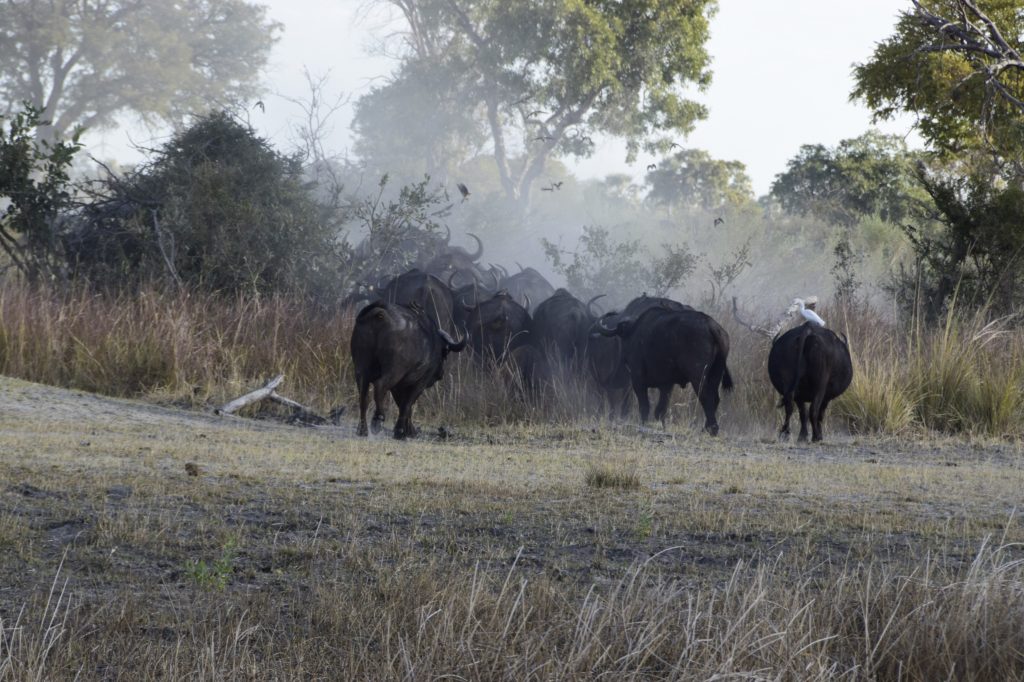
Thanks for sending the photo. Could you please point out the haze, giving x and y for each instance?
(782, 78)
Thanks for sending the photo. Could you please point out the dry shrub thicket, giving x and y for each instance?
(965, 376)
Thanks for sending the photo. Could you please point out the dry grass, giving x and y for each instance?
(308, 553)
(190, 349)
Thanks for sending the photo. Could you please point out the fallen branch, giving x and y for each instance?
(248, 398)
(300, 413)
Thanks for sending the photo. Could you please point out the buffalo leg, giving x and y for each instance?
(380, 394)
(405, 398)
(618, 402)
(364, 404)
(661, 409)
(817, 416)
(709, 400)
(784, 431)
(800, 405)
(643, 402)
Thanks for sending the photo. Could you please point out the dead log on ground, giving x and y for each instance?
(300, 413)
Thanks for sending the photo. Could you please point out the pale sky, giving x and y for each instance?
(782, 78)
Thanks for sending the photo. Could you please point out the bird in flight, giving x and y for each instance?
(543, 138)
(652, 167)
(674, 145)
(463, 190)
(719, 220)
(261, 105)
(535, 113)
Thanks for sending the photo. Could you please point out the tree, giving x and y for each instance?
(868, 176)
(956, 65)
(34, 187)
(82, 62)
(542, 78)
(218, 208)
(690, 178)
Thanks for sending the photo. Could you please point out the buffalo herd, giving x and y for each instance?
(411, 323)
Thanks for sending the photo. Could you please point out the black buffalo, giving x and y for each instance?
(604, 355)
(809, 364)
(561, 325)
(665, 347)
(497, 326)
(457, 265)
(401, 350)
(425, 290)
(528, 287)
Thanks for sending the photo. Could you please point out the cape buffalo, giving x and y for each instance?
(604, 353)
(809, 364)
(458, 263)
(665, 347)
(401, 350)
(528, 287)
(497, 326)
(561, 325)
(427, 291)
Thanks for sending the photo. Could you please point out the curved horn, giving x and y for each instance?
(450, 278)
(479, 247)
(447, 235)
(504, 272)
(590, 302)
(605, 331)
(526, 297)
(494, 276)
(521, 268)
(453, 345)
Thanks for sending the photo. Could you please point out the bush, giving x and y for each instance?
(216, 208)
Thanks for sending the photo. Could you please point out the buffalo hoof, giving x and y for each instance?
(711, 429)
(802, 438)
(377, 423)
(783, 436)
(361, 429)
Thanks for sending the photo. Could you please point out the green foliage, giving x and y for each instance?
(601, 265)
(691, 178)
(400, 233)
(216, 574)
(866, 176)
(947, 85)
(548, 77)
(34, 180)
(82, 63)
(977, 254)
(218, 208)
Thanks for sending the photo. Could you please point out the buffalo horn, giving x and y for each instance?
(526, 297)
(448, 235)
(494, 276)
(479, 247)
(590, 302)
(453, 345)
(450, 278)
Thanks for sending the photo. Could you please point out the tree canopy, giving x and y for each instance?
(692, 178)
(955, 65)
(870, 175)
(82, 62)
(542, 78)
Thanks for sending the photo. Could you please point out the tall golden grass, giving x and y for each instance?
(963, 377)
(405, 620)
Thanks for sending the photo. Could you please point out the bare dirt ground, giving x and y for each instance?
(100, 493)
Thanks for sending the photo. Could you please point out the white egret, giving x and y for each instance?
(807, 313)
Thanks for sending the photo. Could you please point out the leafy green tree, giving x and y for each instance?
(34, 187)
(690, 178)
(956, 65)
(602, 265)
(542, 79)
(862, 177)
(217, 208)
(82, 62)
